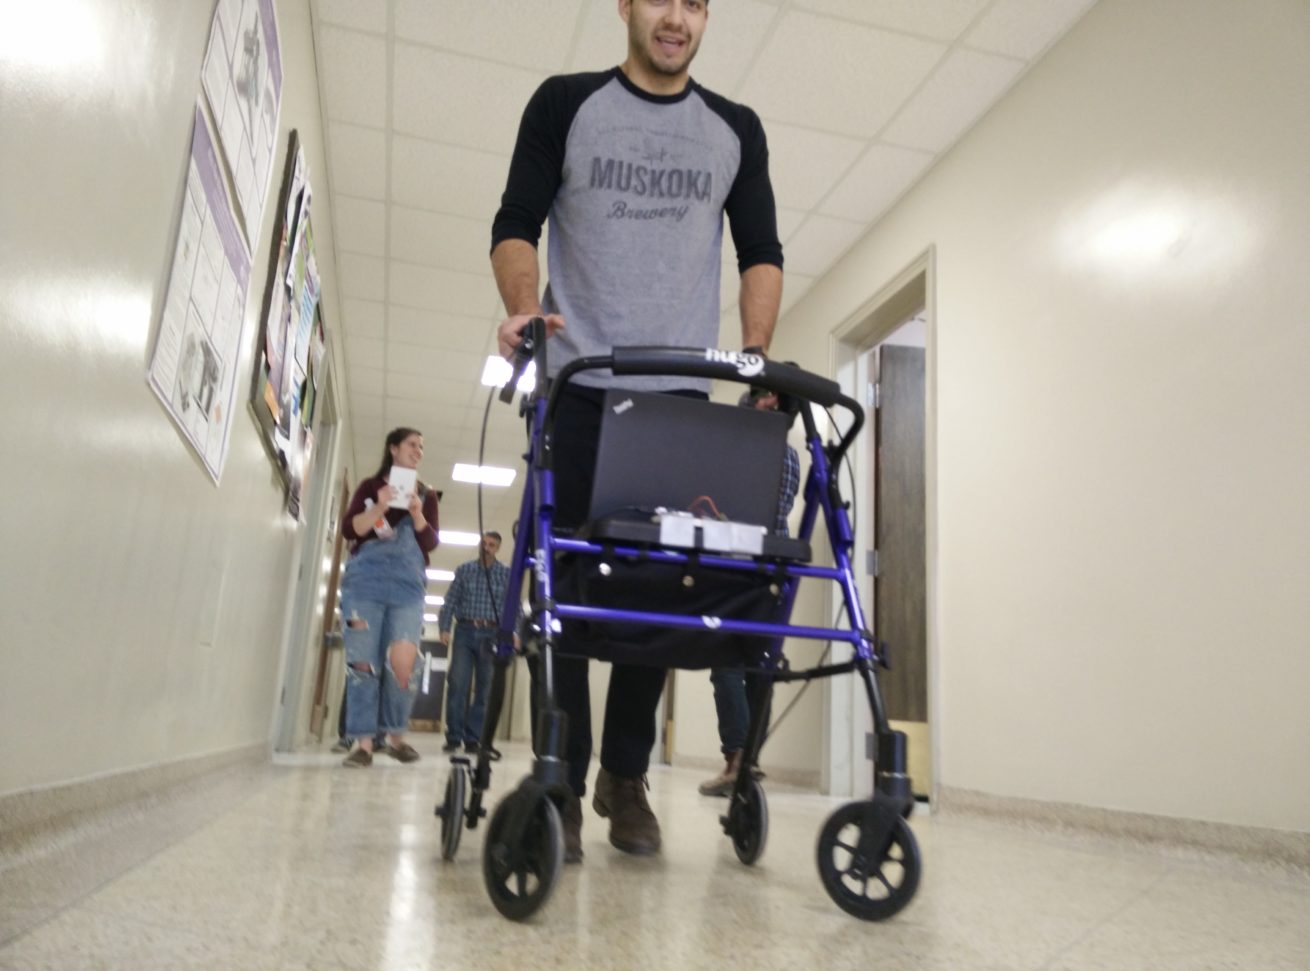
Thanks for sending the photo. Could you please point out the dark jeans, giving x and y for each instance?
(732, 705)
(634, 690)
(470, 664)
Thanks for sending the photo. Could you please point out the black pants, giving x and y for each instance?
(634, 690)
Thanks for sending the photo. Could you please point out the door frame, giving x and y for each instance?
(302, 634)
(846, 770)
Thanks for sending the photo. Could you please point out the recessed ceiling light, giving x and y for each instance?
(453, 537)
(437, 576)
(434, 601)
(486, 474)
(430, 618)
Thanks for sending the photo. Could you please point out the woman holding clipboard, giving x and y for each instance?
(391, 524)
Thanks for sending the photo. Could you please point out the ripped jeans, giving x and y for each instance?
(370, 628)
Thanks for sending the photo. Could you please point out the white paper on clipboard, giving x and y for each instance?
(404, 482)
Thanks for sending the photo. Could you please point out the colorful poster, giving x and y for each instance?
(242, 78)
(193, 367)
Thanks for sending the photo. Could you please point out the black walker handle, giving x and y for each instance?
(533, 335)
(743, 366)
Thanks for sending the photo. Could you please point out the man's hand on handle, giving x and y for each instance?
(510, 333)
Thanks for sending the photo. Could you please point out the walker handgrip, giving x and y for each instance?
(532, 334)
(753, 369)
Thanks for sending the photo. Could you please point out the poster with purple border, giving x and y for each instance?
(242, 78)
(194, 365)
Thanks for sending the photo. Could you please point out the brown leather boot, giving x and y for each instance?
(721, 784)
(633, 827)
(571, 817)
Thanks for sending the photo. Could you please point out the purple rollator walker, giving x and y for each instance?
(868, 859)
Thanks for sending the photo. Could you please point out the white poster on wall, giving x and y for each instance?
(194, 364)
(242, 79)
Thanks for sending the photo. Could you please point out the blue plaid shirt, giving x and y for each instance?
(791, 481)
(470, 598)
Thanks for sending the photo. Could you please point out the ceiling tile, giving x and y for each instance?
(447, 178)
(956, 96)
(450, 98)
(353, 156)
(789, 220)
(364, 318)
(369, 435)
(352, 70)
(435, 362)
(533, 34)
(366, 352)
(361, 276)
(876, 181)
(436, 239)
(938, 19)
(359, 225)
(804, 164)
(366, 405)
(365, 380)
(359, 14)
(429, 328)
(428, 288)
(602, 39)
(732, 40)
(1025, 28)
(425, 415)
(865, 75)
(422, 387)
(819, 242)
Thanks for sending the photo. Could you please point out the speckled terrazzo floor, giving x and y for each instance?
(304, 865)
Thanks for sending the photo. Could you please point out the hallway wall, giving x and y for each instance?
(143, 607)
(1119, 352)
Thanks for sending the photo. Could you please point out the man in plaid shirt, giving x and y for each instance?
(730, 700)
(473, 602)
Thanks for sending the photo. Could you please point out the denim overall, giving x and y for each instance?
(381, 603)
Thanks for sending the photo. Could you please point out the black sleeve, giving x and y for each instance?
(752, 214)
(536, 168)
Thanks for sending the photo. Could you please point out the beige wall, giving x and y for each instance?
(143, 608)
(1119, 355)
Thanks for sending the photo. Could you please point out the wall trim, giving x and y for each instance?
(34, 814)
(1286, 850)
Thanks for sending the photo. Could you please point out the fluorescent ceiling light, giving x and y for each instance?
(453, 537)
(486, 474)
(434, 600)
(438, 575)
(430, 618)
(496, 372)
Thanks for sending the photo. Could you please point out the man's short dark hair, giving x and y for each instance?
(493, 534)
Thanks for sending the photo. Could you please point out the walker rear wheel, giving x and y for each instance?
(871, 883)
(520, 878)
(451, 811)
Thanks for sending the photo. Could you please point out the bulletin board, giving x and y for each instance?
(291, 356)
(193, 366)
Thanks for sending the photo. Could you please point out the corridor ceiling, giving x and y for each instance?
(421, 101)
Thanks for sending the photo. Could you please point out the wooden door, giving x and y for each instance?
(900, 577)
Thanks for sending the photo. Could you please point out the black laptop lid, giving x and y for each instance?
(668, 450)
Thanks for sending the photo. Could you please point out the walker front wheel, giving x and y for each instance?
(521, 874)
(869, 882)
(748, 822)
(451, 811)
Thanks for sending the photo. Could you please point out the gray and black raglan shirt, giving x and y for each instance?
(636, 186)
